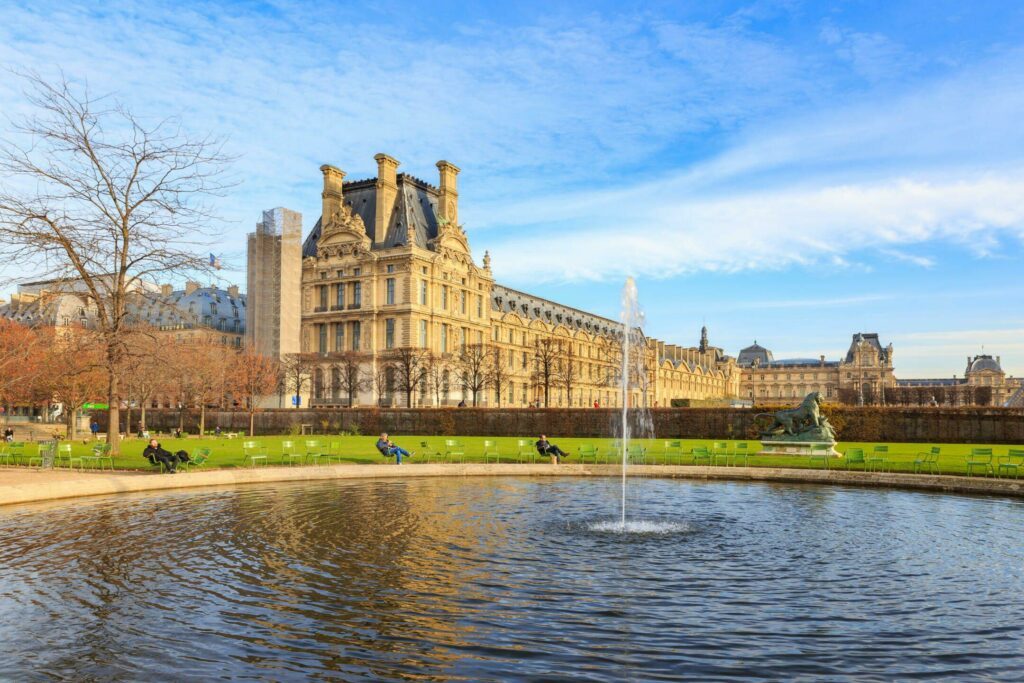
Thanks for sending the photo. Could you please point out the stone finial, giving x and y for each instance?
(487, 260)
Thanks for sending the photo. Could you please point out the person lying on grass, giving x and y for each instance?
(388, 449)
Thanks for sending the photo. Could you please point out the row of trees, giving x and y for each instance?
(954, 395)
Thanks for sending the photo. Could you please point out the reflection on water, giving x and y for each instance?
(513, 580)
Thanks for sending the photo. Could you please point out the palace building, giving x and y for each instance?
(387, 271)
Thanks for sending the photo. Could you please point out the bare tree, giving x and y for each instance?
(410, 364)
(253, 377)
(384, 380)
(74, 369)
(104, 203)
(296, 373)
(546, 354)
(347, 376)
(438, 376)
(499, 373)
(567, 371)
(473, 366)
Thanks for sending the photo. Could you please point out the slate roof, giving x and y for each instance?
(984, 362)
(508, 300)
(872, 339)
(747, 356)
(415, 204)
(205, 307)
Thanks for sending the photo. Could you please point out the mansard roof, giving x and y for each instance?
(754, 352)
(984, 362)
(415, 204)
(508, 300)
(872, 339)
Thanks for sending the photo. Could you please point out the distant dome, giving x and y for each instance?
(984, 362)
(754, 352)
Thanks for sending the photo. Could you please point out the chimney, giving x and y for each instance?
(822, 359)
(233, 291)
(332, 195)
(190, 287)
(448, 206)
(387, 191)
(166, 290)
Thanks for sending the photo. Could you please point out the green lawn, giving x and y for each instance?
(360, 449)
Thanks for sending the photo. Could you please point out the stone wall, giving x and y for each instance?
(938, 425)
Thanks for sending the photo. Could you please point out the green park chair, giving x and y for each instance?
(314, 451)
(491, 450)
(199, 459)
(333, 453)
(720, 452)
(854, 456)
(454, 450)
(254, 453)
(980, 457)
(100, 456)
(290, 453)
(427, 452)
(525, 451)
(5, 453)
(819, 454)
(585, 451)
(17, 450)
(45, 450)
(615, 451)
(741, 452)
(701, 455)
(672, 448)
(928, 460)
(879, 459)
(65, 458)
(637, 455)
(1011, 462)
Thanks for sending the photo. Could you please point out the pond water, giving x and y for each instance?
(514, 579)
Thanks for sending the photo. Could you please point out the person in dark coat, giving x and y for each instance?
(545, 447)
(155, 454)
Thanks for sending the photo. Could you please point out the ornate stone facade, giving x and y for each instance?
(388, 267)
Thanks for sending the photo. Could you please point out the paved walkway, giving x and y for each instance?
(20, 485)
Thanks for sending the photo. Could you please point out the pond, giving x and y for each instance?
(514, 579)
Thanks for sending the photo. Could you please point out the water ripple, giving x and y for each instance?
(514, 579)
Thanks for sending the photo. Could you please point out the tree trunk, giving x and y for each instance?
(114, 416)
(70, 417)
(202, 419)
(142, 418)
(128, 419)
(252, 424)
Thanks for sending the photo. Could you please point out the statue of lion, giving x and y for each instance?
(795, 420)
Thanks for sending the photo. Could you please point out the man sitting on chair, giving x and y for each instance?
(545, 447)
(388, 449)
(155, 454)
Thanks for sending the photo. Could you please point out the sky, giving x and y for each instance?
(782, 171)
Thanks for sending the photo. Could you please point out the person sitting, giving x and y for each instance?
(545, 447)
(388, 449)
(157, 455)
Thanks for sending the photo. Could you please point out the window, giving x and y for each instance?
(462, 302)
(340, 273)
(462, 337)
(423, 269)
(511, 335)
(391, 268)
(479, 337)
(423, 292)
(213, 309)
(511, 358)
(524, 360)
(357, 294)
(323, 298)
(339, 296)
(389, 290)
(389, 333)
(322, 338)
(444, 338)
(356, 334)
(423, 334)
(444, 297)
(357, 271)
(479, 306)
(339, 336)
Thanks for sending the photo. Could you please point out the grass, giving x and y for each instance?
(360, 449)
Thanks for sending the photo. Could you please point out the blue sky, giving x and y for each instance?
(791, 172)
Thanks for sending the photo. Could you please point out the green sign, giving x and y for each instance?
(95, 406)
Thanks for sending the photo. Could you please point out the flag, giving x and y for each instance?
(215, 261)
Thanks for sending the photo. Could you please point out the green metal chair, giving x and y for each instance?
(199, 459)
(819, 454)
(5, 453)
(879, 459)
(928, 460)
(587, 451)
(741, 452)
(314, 451)
(43, 451)
(100, 456)
(427, 452)
(453, 449)
(720, 450)
(980, 457)
(637, 455)
(290, 453)
(64, 456)
(525, 451)
(491, 449)
(854, 456)
(701, 454)
(254, 452)
(1011, 462)
(670, 448)
(333, 453)
(17, 450)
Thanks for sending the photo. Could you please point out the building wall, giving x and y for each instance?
(274, 256)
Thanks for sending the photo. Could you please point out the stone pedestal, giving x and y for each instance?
(798, 448)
